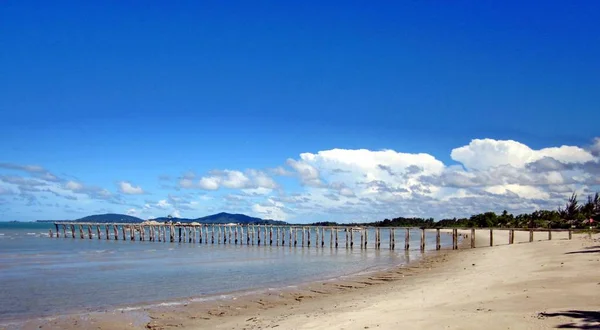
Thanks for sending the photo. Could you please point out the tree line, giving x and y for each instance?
(573, 215)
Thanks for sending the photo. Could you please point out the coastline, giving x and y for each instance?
(136, 316)
(445, 287)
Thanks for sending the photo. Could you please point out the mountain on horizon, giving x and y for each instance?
(225, 217)
(222, 217)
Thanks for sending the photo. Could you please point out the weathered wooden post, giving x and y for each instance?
(308, 230)
(422, 239)
(258, 236)
(98, 232)
(346, 231)
(362, 239)
(303, 233)
(283, 236)
(124, 232)
(407, 239)
(89, 232)
(81, 231)
(116, 232)
(64, 231)
(438, 240)
(270, 235)
(131, 233)
(331, 237)
(549, 234)
(491, 237)
(454, 239)
(570, 234)
(366, 237)
(472, 238)
(295, 236)
(378, 238)
(57, 232)
(143, 232)
(512, 236)
(351, 237)
(530, 235)
(336, 237)
(107, 232)
(322, 237)
(72, 231)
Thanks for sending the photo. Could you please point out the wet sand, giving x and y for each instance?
(545, 284)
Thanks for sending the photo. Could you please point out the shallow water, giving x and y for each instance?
(42, 276)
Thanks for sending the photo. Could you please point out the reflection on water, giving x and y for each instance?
(43, 276)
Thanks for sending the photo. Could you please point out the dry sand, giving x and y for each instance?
(540, 285)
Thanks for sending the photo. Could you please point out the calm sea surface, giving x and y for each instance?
(40, 276)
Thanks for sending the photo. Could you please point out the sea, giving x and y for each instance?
(42, 276)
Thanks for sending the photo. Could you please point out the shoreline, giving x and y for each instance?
(137, 315)
(326, 299)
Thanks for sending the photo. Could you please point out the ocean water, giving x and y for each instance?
(42, 276)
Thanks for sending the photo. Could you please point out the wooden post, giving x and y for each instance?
(322, 237)
(171, 233)
(390, 237)
(81, 231)
(570, 234)
(366, 237)
(98, 232)
(472, 238)
(131, 233)
(491, 237)
(107, 232)
(549, 234)
(89, 231)
(393, 238)
(308, 236)
(378, 238)
(64, 231)
(422, 239)
(512, 236)
(530, 235)
(351, 237)
(116, 232)
(124, 233)
(454, 239)
(258, 237)
(205, 234)
(72, 231)
(362, 239)
(346, 231)
(57, 232)
(277, 232)
(438, 244)
(295, 236)
(407, 239)
(336, 237)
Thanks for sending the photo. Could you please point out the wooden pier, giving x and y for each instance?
(271, 235)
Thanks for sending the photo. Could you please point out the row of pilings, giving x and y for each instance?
(292, 236)
(268, 235)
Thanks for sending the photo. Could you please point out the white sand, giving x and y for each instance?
(503, 287)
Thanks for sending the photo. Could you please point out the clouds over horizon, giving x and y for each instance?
(344, 184)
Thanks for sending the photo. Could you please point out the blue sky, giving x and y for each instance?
(284, 110)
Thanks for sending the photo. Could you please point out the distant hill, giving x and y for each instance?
(110, 217)
(224, 217)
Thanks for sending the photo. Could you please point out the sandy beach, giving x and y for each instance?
(539, 285)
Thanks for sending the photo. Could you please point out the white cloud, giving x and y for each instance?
(482, 154)
(231, 179)
(129, 189)
(75, 186)
(270, 209)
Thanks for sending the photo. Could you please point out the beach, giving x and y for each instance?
(539, 285)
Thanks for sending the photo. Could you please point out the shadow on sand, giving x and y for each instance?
(585, 319)
(589, 249)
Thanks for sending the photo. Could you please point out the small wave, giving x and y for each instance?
(31, 234)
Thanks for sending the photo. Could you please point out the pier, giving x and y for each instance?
(275, 235)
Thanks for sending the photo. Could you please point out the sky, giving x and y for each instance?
(311, 111)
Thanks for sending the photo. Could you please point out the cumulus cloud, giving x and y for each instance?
(482, 154)
(129, 189)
